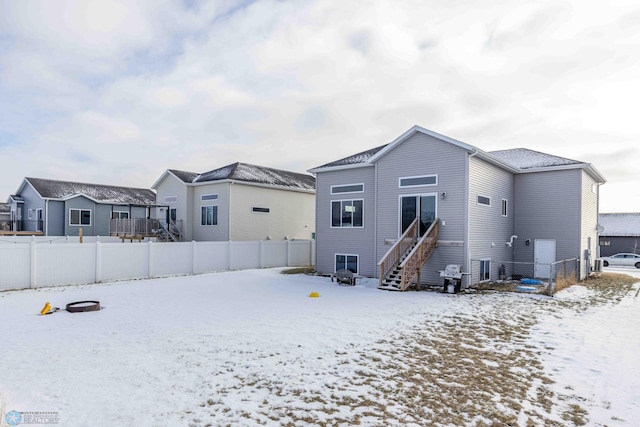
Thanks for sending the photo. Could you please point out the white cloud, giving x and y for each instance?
(196, 85)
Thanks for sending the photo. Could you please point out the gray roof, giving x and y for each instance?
(524, 158)
(253, 174)
(184, 176)
(354, 159)
(620, 224)
(5, 208)
(52, 189)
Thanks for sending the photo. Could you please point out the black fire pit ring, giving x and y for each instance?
(80, 306)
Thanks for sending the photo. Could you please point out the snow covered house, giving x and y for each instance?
(239, 202)
(620, 232)
(438, 201)
(62, 208)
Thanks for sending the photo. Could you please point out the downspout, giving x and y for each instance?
(467, 246)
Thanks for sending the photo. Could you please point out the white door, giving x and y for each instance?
(544, 252)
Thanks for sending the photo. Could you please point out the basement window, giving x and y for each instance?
(485, 270)
(256, 209)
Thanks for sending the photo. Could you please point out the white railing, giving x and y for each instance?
(33, 265)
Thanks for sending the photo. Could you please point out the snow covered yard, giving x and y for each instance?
(251, 348)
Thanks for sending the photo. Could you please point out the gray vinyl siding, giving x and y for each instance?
(547, 206)
(345, 240)
(32, 200)
(219, 232)
(617, 244)
(172, 186)
(79, 203)
(55, 218)
(424, 155)
(101, 220)
(488, 229)
(589, 220)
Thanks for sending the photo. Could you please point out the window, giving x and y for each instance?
(605, 242)
(30, 213)
(485, 270)
(418, 181)
(483, 200)
(346, 213)
(171, 199)
(173, 214)
(209, 215)
(505, 207)
(260, 210)
(119, 215)
(79, 217)
(348, 262)
(347, 188)
(206, 197)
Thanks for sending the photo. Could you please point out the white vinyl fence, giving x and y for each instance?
(33, 264)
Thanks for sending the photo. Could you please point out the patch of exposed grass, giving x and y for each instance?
(299, 270)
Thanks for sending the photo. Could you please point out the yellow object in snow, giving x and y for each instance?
(314, 295)
(46, 308)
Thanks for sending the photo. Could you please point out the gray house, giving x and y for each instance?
(620, 233)
(460, 204)
(61, 208)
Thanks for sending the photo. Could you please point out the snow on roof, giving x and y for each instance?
(5, 208)
(259, 175)
(52, 189)
(354, 159)
(620, 224)
(524, 158)
(184, 175)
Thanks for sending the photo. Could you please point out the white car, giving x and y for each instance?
(629, 260)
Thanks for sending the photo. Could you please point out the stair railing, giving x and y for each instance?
(393, 255)
(412, 264)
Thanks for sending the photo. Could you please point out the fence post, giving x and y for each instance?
(230, 255)
(150, 258)
(98, 261)
(32, 283)
(288, 253)
(261, 261)
(193, 257)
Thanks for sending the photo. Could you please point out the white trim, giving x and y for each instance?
(347, 185)
(331, 213)
(335, 255)
(417, 185)
(211, 196)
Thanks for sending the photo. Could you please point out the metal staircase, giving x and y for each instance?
(403, 262)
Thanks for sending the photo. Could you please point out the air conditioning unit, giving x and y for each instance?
(597, 265)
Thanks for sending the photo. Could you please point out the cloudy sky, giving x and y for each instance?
(115, 92)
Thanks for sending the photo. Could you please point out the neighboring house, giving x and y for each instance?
(5, 216)
(239, 202)
(620, 232)
(61, 208)
(365, 202)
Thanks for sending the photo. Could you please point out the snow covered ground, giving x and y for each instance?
(251, 348)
